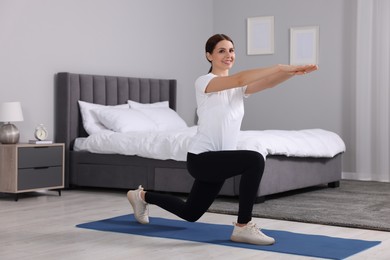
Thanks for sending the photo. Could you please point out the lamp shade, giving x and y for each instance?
(11, 112)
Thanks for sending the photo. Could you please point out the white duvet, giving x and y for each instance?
(173, 144)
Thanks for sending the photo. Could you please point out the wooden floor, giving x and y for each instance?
(42, 226)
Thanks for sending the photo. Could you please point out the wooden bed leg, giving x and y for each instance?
(260, 199)
(334, 184)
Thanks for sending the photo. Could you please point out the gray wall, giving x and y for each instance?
(317, 100)
(309, 101)
(153, 38)
(141, 38)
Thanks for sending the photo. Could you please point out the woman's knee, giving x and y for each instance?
(256, 159)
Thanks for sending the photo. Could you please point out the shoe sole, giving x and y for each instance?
(242, 240)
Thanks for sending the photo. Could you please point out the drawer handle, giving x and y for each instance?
(42, 167)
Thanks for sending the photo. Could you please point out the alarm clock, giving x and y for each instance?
(41, 132)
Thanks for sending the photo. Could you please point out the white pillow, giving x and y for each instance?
(90, 122)
(164, 117)
(134, 104)
(124, 120)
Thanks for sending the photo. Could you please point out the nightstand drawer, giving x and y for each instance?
(35, 178)
(39, 156)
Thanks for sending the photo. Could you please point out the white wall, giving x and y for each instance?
(141, 38)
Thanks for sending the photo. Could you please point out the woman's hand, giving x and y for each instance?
(298, 69)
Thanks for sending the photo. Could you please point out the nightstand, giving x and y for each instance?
(31, 167)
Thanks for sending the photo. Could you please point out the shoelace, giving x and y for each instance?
(254, 228)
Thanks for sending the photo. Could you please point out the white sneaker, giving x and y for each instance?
(140, 207)
(250, 234)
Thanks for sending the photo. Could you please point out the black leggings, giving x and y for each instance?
(210, 170)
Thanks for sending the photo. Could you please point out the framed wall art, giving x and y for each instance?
(304, 45)
(260, 35)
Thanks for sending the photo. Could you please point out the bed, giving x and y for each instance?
(88, 168)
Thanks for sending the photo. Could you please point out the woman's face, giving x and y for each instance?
(223, 56)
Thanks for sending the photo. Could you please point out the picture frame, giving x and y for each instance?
(304, 45)
(260, 35)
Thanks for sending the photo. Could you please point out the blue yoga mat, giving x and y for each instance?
(286, 242)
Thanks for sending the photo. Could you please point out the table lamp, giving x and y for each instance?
(10, 112)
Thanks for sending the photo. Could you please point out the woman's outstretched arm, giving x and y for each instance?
(277, 78)
(263, 77)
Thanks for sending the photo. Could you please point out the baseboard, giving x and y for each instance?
(356, 177)
(353, 176)
(349, 176)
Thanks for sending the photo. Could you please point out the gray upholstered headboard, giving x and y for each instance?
(105, 90)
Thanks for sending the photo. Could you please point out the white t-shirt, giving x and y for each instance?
(220, 116)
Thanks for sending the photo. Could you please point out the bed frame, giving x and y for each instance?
(124, 172)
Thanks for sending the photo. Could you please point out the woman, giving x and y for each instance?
(212, 156)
